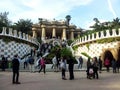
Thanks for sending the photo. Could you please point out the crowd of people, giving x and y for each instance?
(93, 65)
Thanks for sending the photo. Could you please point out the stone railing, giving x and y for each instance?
(97, 36)
(18, 35)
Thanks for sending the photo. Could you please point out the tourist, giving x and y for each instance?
(15, 68)
(43, 66)
(63, 67)
(100, 64)
(114, 65)
(95, 68)
(70, 67)
(107, 64)
(31, 63)
(80, 62)
(3, 64)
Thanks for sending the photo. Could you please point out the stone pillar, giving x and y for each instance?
(34, 33)
(4, 31)
(101, 34)
(97, 36)
(113, 32)
(89, 37)
(119, 32)
(54, 32)
(15, 33)
(10, 32)
(78, 35)
(20, 36)
(64, 34)
(72, 35)
(43, 36)
(93, 36)
(107, 33)
(24, 37)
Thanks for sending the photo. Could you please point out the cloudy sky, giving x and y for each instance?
(81, 11)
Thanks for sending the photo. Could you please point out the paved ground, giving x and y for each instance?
(53, 81)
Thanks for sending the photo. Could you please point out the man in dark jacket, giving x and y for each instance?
(71, 67)
(15, 68)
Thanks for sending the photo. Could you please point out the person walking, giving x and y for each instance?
(107, 64)
(43, 66)
(15, 69)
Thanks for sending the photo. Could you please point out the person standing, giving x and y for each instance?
(3, 63)
(70, 67)
(63, 67)
(80, 62)
(100, 64)
(15, 69)
(107, 64)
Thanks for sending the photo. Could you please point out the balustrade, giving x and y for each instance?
(19, 35)
(96, 36)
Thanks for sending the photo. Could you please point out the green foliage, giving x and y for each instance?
(24, 26)
(75, 48)
(85, 54)
(65, 52)
(49, 58)
(69, 42)
(108, 40)
(87, 45)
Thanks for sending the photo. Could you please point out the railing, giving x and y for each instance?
(97, 36)
(18, 35)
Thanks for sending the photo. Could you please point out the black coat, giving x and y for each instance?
(15, 64)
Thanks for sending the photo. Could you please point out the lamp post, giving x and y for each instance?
(68, 18)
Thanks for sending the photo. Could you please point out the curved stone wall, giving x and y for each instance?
(12, 48)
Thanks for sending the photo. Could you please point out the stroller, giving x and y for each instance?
(90, 73)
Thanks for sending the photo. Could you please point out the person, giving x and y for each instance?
(70, 67)
(54, 66)
(117, 65)
(43, 66)
(95, 68)
(31, 63)
(114, 65)
(25, 64)
(3, 64)
(107, 64)
(80, 62)
(88, 67)
(100, 64)
(63, 67)
(15, 69)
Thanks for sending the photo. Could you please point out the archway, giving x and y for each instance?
(108, 54)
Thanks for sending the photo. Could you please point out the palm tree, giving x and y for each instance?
(24, 26)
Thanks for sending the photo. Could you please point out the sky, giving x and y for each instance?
(82, 12)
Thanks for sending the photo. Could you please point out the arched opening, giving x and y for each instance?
(108, 54)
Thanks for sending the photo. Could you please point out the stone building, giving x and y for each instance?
(46, 29)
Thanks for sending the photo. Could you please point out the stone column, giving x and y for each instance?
(20, 36)
(4, 31)
(107, 33)
(64, 34)
(15, 33)
(54, 32)
(113, 32)
(72, 35)
(10, 32)
(43, 36)
(34, 33)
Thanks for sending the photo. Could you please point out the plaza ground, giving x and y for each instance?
(53, 81)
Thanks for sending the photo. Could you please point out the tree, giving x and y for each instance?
(24, 26)
(4, 21)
